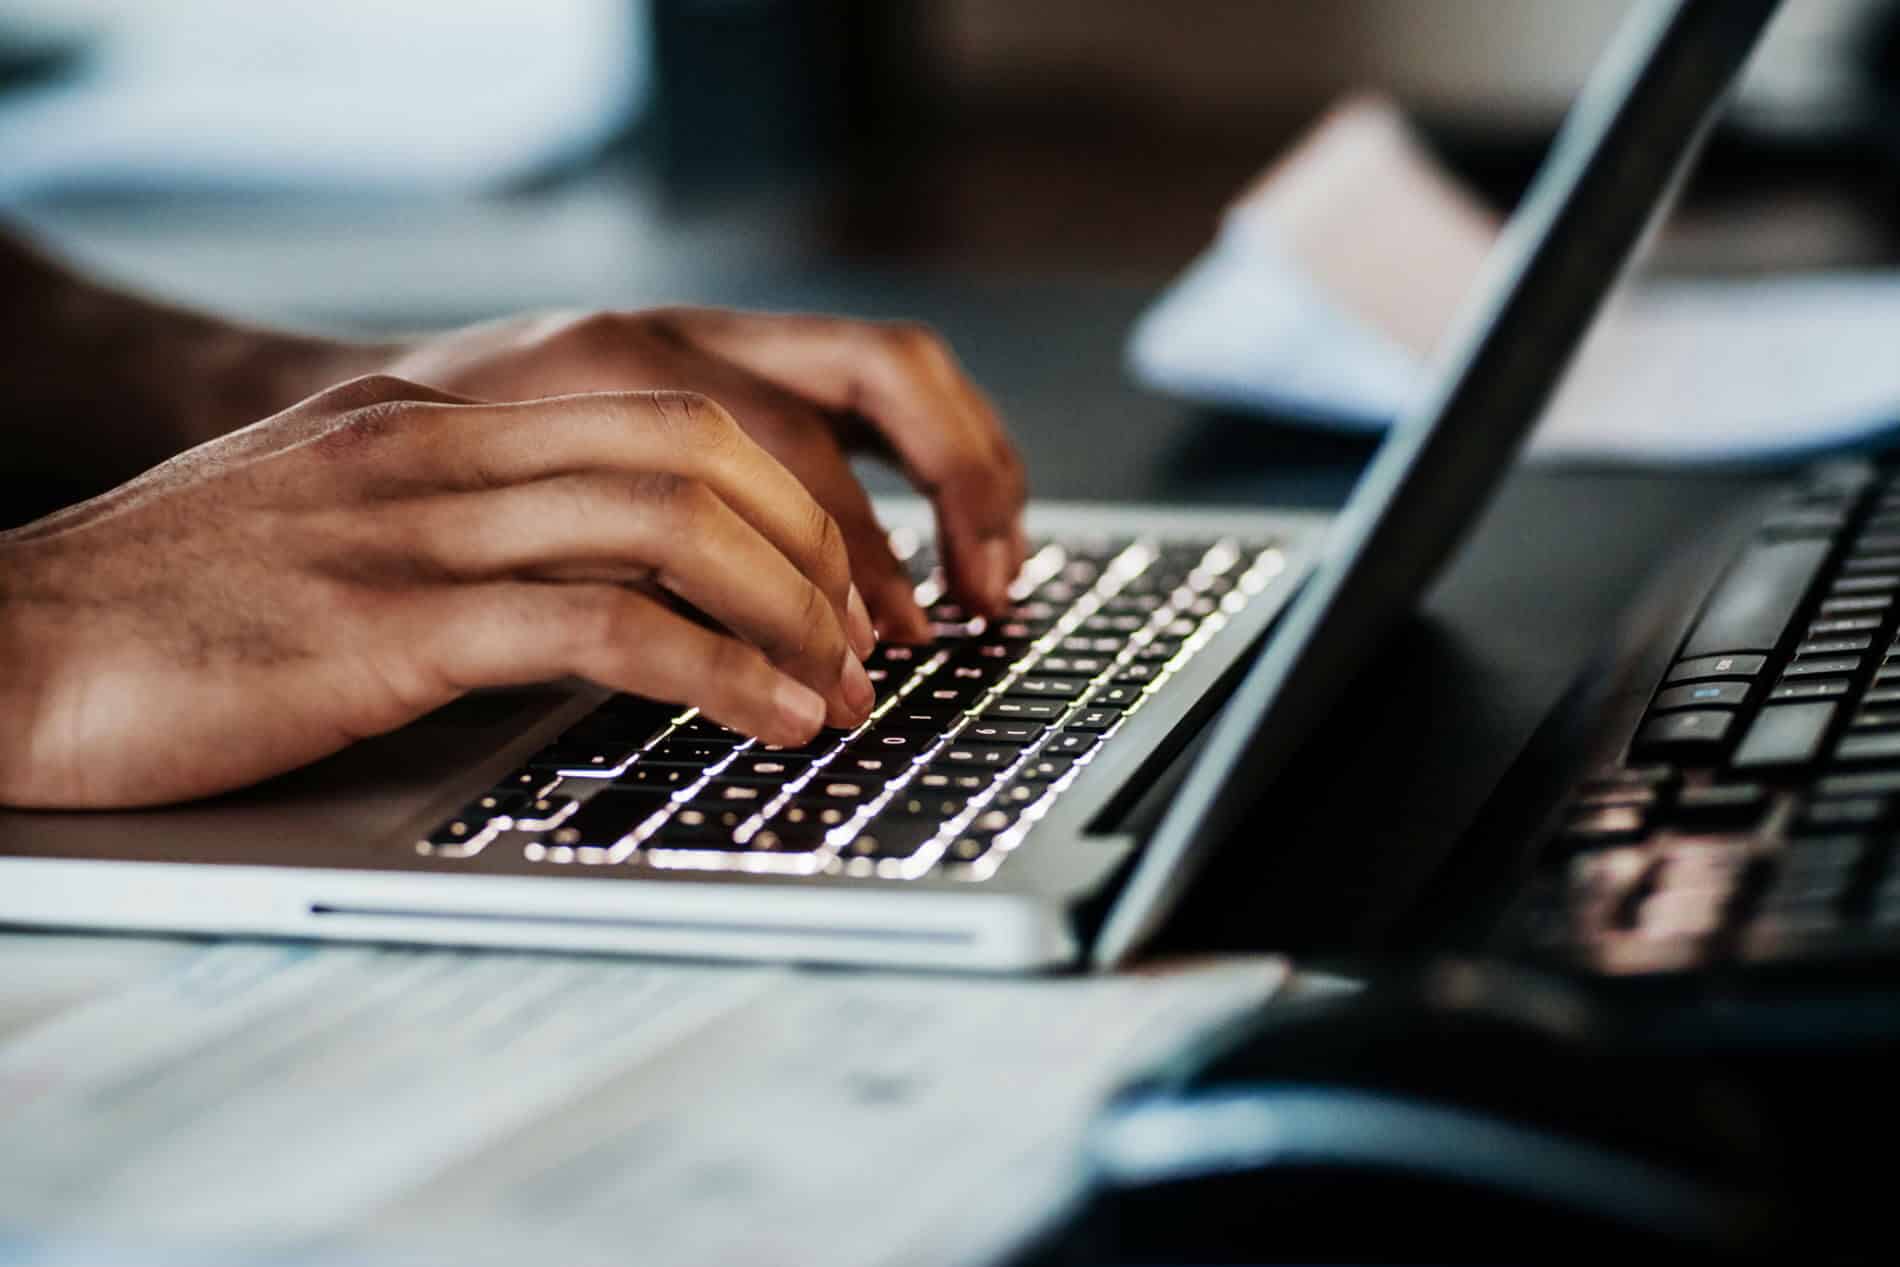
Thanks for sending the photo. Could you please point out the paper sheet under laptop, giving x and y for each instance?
(171, 1102)
(1336, 275)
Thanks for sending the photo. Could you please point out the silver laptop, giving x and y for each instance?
(990, 815)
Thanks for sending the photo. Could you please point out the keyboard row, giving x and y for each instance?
(972, 739)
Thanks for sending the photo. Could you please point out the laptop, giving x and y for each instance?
(980, 820)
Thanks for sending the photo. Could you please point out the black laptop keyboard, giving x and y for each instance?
(973, 738)
(1753, 817)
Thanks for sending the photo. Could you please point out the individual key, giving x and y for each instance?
(1701, 695)
(542, 812)
(1822, 666)
(1703, 668)
(1859, 749)
(916, 802)
(1790, 734)
(1115, 697)
(1856, 604)
(495, 805)
(705, 730)
(966, 849)
(888, 838)
(927, 718)
(1025, 710)
(1882, 696)
(1136, 675)
(1096, 719)
(1860, 564)
(609, 816)
(1158, 651)
(1813, 688)
(1843, 625)
(1868, 720)
(1035, 687)
(957, 779)
(1860, 813)
(764, 767)
(1018, 733)
(838, 788)
(983, 675)
(1046, 767)
(747, 798)
(1102, 623)
(694, 826)
(933, 693)
(581, 757)
(1872, 583)
(1083, 666)
(1720, 805)
(957, 753)
(1817, 523)
(687, 752)
(782, 838)
(651, 777)
(1874, 783)
(874, 768)
(826, 741)
(459, 831)
(1076, 644)
(807, 814)
(883, 741)
(1073, 743)
(1685, 734)
(530, 783)
(1834, 646)
(1757, 598)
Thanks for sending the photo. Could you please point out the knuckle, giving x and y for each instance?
(370, 389)
(815, 622)
(913, 340)
(696, 419)
(682, 502)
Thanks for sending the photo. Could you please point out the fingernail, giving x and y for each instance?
(802, 708)
(997, 570)
(858, 625)
(857, 687)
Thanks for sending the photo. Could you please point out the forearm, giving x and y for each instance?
(101, 384)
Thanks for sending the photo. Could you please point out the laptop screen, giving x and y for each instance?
(1609, 175)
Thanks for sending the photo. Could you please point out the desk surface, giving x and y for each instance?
(265, 1101)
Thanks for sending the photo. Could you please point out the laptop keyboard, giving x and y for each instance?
(1753, 817)
(973, 738)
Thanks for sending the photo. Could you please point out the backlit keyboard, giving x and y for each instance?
(973, 738)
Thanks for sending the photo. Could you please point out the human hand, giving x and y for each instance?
(806, 388)
(371, 553)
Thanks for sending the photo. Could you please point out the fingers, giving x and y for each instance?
(513, 633)
(670, 433)
(668, 529)
(886, 585)
(905, 382)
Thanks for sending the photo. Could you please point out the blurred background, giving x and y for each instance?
(427, 161)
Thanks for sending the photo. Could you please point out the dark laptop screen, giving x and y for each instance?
(1608, 177)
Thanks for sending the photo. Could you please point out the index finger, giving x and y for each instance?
(903, 380)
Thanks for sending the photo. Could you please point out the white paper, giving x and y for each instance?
(263, 1103)
(1335, 284)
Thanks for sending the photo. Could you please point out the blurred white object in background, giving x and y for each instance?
(337, 96)
(1337, 276)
